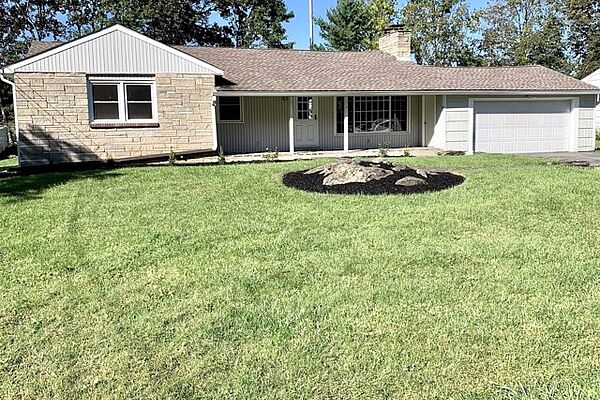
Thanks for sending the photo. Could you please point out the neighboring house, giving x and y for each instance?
(594, 79)
(116, 94)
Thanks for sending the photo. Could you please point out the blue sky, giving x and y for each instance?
(297, 28)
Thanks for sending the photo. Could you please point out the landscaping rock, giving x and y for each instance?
(399, 168)
(450, 153)
(343, 173)
(381, 161)
(422, 172)
(410, 181)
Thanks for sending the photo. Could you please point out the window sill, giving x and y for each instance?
(107, 125)
(398, 133)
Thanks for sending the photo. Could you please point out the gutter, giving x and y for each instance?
(14, 93)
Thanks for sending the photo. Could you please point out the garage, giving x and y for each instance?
(522, 126)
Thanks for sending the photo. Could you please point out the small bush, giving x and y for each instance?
(383, 150)
(172, 159)
(406, 153)
(221, 156)
(271, 155)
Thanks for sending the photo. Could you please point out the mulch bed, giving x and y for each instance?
(314, 183)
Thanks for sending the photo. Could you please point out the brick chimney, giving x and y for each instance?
(396, 41)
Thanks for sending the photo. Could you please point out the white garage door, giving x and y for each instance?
(522, 126)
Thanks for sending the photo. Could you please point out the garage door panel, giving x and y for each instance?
(522, 126)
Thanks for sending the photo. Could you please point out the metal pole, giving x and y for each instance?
(310, 17)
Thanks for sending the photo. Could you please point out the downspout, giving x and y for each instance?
(14, 93)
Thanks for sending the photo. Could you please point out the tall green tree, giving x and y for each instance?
(583, 26)
(521, 32)
(383, 13)
(441, 31)
(255, 23)
(347, 26)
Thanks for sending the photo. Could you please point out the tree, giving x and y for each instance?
(252, 23)
(441, 31)
(347, 27)
(522, 32)
(583, 23)
(383, 14)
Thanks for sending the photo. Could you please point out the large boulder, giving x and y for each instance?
(353, 172)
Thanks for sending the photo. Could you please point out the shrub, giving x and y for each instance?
(271, 155)
(383, 150)
(221, 156)
(406, 153)
(172, 159)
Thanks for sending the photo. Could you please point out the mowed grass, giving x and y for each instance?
(11, 161)
(218, 282)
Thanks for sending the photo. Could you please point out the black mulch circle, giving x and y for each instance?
(314, 183)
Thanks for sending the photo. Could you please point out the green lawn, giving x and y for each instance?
(11, 161)
(218, 282)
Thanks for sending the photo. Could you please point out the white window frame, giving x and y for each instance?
(121, 83)
(408, 115)
(231, 121)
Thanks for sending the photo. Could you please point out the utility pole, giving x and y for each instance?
(310, 30)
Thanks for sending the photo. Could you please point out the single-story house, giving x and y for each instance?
(594, 79)
(118, 94)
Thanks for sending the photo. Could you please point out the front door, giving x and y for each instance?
(306, 130)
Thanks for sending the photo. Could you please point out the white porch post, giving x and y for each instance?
(291, 124)
(346, 124)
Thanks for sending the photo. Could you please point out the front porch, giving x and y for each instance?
(317, 125)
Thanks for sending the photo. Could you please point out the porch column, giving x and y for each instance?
(291, 124)
(346, 124)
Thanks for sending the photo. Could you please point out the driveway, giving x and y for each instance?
(590, 157)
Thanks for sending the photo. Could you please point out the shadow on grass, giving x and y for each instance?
(32, 187)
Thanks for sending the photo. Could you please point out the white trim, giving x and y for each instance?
(122, 98)
(211, 68)
(341, 93)
(574, 116)
(240, 121)
(574, 139)
(213, 116)
(315, 108)
(346, 126)
(291, 122)
(372, 134)
(423, 120)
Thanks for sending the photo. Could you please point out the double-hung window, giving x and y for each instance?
(122, 100)
(372, 114)
(230, 109)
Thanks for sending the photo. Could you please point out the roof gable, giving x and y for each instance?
(593, 78)
(115, 50)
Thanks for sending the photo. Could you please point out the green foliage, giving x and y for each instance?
(255, 23)
(221, 156)
(221, 283)
(441, 31)
(356, 25)
(383, 150)
(172, 158)
(347, 26)
(522, 32)
(271, 154)
(406, 153)
(582, 23)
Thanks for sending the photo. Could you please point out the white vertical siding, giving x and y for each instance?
(586, 139)
(265, 125)
(113, 53)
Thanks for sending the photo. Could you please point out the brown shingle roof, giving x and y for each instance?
(302, 70)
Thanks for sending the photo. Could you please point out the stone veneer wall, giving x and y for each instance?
(54, 123)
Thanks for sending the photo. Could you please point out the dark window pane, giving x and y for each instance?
(106, 111)
(105, 92)
(139, 93)
(339, 114)
(399, 113)
(139, 110)
(230, 109)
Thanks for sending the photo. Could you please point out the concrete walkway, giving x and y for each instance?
(592, 158)
(306, 155)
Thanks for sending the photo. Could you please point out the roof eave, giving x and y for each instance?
(258, 93)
